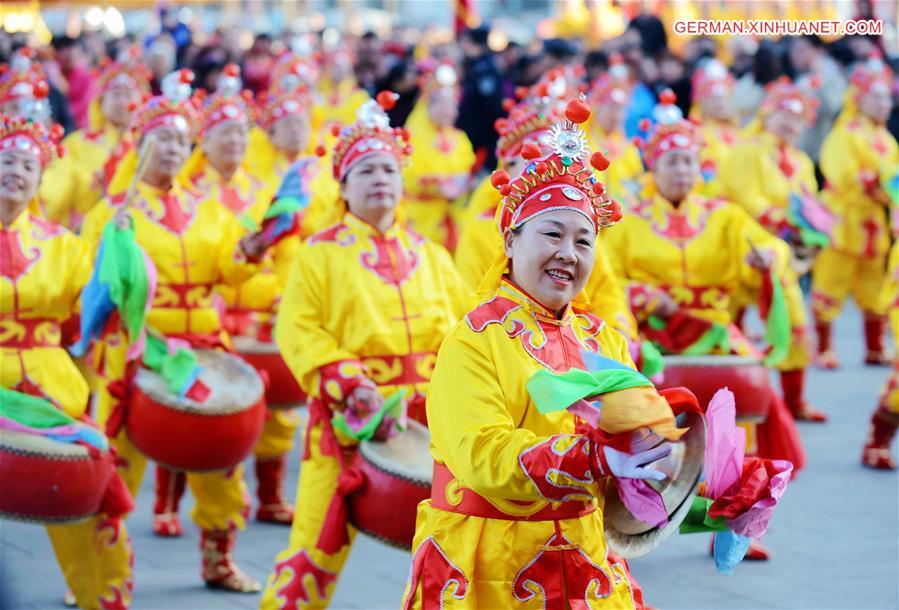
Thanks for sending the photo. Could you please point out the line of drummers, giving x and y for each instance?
(182, 276)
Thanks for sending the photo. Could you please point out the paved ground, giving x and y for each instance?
(834, 536)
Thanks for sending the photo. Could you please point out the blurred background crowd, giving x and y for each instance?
(499, 45)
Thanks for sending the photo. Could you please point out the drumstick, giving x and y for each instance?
(143, 157)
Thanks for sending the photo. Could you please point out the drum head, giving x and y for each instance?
(234, 385)
(407, 455)
(629, 537)
(251, 345)
(35, 444)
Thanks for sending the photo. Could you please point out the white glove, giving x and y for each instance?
(633, 466)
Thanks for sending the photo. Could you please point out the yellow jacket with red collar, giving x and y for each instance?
(43, 269)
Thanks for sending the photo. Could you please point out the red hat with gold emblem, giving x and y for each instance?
(711, 77)
(126, 73)
(20, 77)
(27, 132)
(530, 120)
(560, 180)
(177, 107)
(670, 131)
(370, 134)
(783, 94)
(867, 74)
(613, 86)
(229, 102)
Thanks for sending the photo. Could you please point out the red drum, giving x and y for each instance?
(745, 376)
(397, 477)
(50, 482)
(215, 434)
(282, 391)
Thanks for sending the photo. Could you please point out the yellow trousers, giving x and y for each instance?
(837, 275)
(95, 557)
(277, 433)
(304, 576)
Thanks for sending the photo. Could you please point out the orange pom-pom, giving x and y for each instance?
(186, 76)
(599, 188)
(577, 111)
(505, 190)
(507, 104)
(542, 89)
(335, 130)
(57, 132)
(500, 125)
(387, 99)
(644, 125)
(521, 92)
(599, 161)
(132, 106)
(407, 150)
(531, 151)
(499, 178)
(320, 151)
(27, 52)
(667, 97)
(231, 70)
(615, 211)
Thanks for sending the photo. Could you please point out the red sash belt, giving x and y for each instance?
(18, 333)
(402, 369)
(475, 505)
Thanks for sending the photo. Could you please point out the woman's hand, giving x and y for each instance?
(253, 246)
(665, 307)
(760, 259)
(364, 400)
(122, 219)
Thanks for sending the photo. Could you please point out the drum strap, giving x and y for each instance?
(474, 505)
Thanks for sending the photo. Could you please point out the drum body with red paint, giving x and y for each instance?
(282, 390)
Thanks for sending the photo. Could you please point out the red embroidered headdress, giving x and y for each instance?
(670, 131)
(560, 180)
(783, 94)
(530, 120)
(866, 74)
(31, 136)
(127, 73)
(176, 107)
(370, 134)
(19, 78)
(228, 103)
(710, 77)
(435, 76)
(290, 94)
(613, 86)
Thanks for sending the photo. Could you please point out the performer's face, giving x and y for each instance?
(717, 105)
(552, 256)
(443, 108)
(675, 173)
(19, 178)
(226, 144)
(786, 125)
(876, 103)
(116, 105)
(290, 134)
(610, 115)
(169, 153)
(373, 185)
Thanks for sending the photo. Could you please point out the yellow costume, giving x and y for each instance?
(719, 139)
(193, 246)
(696, 254)
(624, 156)
(337, 105)
(43, 269)
(484, 430)
(856, 156)
(442, 158)
(358, 304)
(73, 184)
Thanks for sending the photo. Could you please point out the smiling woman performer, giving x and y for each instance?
(365, 308)
(513, 509)
(43, 269)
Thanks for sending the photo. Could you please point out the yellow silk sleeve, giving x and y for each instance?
(234, 268)
(284, 253)
(299, 332)
(844, 154)
(743, 180)
(471, 429)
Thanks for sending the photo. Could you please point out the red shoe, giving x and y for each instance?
(273, 506)
(881, 358)
(793, 385)
(876, 453)
(167, 525)
(809, 413)
(169, 489)
(219, 569)
(827, 361)
(757, 552)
